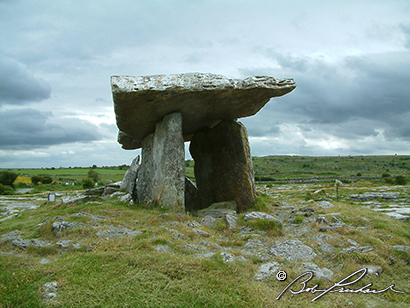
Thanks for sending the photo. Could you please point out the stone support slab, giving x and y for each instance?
(161, 178)
(223, 165)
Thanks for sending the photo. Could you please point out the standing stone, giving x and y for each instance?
(223, 164)
(129, 181)
(193, 201)
(161, 178)
(144, 192)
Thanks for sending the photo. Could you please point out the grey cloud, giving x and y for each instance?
(29, 128)
(18, 85)
(359, 97)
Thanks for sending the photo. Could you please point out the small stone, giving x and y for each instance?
(227, 257)
(113, 232)
(320, 273)
(45, 261)
(208, 221)
(49, 296)
(326, 248)
(402, 248)
(57, 227)
(193, 224)
(12, 235)
(267, 270)
(200, 232)
(76, 246)
(322, 220)
(64, 243)
(262, 216)
(363, 249)
(325, 204)
(162, 248)
(292, 250)
(372, 269)
(50, 286)
(231, 221)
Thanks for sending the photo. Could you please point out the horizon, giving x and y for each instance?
(273, 155)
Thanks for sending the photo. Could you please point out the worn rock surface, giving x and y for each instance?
(223, 165)
(292, 250)
(161, 178)
(202, 99)
(129, 181)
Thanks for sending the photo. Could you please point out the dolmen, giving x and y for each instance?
(159, 113)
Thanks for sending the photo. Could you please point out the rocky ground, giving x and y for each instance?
(291, 227)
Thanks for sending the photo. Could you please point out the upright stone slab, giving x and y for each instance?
(161, 177)
(144, 190)
(129, 181)
(169, 163)
(223, 165)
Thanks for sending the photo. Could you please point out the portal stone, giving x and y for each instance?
(161, 178)
(223, 165)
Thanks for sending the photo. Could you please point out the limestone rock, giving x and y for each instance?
(162, 176)
(362, 249)
(227, 257)
(231, 221)
(129, 181)
(325, 204)
(78, 198)
(320, 273)
(202, 99)
(59, 226)
(223, 165)
(114, 233)
(266, 270)
(292, 250)
(402, 248)
(98, 191)
(262, 216)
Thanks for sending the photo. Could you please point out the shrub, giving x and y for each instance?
(8, 178)
(400, 180)
(6, 190)
(43, 179)
(87, 183)
(94, 175)
(385, 175)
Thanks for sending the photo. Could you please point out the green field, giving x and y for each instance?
(383, 169)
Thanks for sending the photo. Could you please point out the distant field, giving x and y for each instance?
(273, 169)
(66, 171)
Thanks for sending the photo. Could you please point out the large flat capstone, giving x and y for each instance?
(203, 100)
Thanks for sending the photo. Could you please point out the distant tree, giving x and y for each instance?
(94, 175)
(6, 190)
(94, 167)
(400, 180)
(87, 183)
(46, 179)
(35, 179)
(8, 178)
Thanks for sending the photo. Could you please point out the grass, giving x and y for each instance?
(131, 272)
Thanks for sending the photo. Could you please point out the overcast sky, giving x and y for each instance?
(350, 60)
